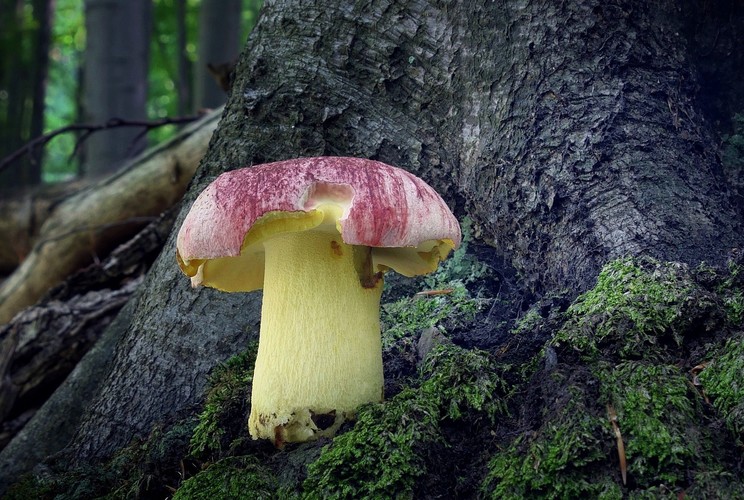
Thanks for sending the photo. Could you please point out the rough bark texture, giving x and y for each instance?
(80, 326)
(91, 223)
(593, 147)
(568, 132)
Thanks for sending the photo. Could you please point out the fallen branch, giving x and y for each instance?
(88, 129)
(145, 187)
(40, 347)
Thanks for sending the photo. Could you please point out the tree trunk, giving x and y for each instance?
(569, 132)
(23, 73)
(43, 13)
(600, 148)
(115, 79)
(218, 47)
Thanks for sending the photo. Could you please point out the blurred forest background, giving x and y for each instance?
(107, 63)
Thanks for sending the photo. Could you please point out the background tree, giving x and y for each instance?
(220, 38)
(24, 54)
(115, 78)
(573, 134)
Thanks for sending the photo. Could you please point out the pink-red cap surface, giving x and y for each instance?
(385, 206)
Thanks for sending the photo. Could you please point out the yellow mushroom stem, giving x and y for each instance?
(319, 354)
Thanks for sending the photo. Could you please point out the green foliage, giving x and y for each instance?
(381, 456)
(734, 303)
(723, 381)
(462, 380)
(714, 484)
(67, 48)
(230, 478)
(560, 461)
(385, 452)
(65, 56)
(527, 322)
(628, 330)
(227, 397)
(733, 145)
(634, 304)
(657, 411)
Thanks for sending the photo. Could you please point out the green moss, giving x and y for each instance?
(733, 145)
(636, 304)
(629, 331)
(657, 412)
(227, 400)
(408, 317)
(527, 323)
(714, 484)
(563, 459)
(230, 478)
(385, 452)
(723, 382)
(461, 266)
(30, 486)
(732, 290)
(734, 303)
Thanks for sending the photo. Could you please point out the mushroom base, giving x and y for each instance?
(320, 353)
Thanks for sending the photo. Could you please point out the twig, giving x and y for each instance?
(620, 444)
(88, 130)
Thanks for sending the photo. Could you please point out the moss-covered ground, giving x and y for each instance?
(634, 389)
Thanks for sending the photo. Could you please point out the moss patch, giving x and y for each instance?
(657, 411)
(145, 469)
(230, 478)
(723, 381)
(564, 458)
(226, 405)
(638, 307)
(623, 346)
(386, 451)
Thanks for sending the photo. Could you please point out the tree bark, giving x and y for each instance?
(40, 347)
(569, 132)
(91, 223)
(600, 149)
(44, 343)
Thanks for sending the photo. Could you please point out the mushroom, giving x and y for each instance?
(317, 234)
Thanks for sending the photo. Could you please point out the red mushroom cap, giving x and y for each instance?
(383, 207)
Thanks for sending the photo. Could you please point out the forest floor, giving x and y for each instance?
(630, 389)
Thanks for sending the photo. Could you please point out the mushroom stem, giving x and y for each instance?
(320, 353)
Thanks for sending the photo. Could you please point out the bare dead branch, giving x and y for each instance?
(88, 129)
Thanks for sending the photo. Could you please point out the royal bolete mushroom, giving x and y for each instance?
(317, 234)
